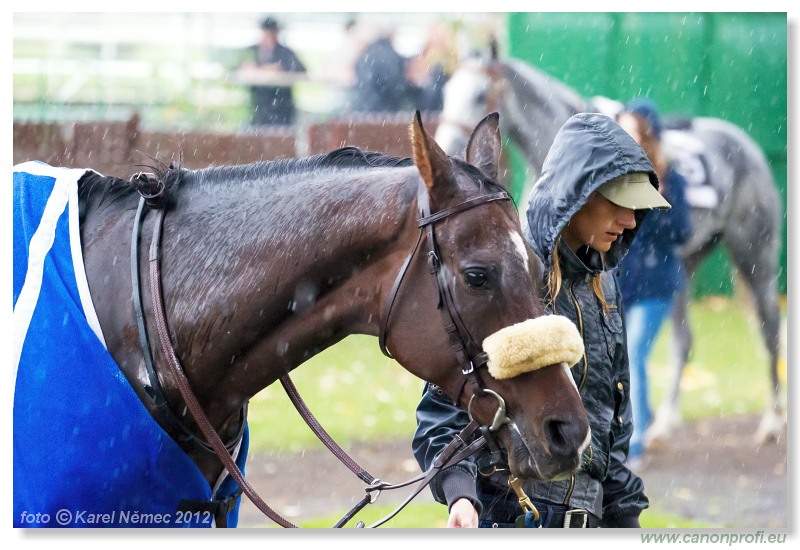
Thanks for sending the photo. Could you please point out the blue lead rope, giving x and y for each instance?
(529, 520)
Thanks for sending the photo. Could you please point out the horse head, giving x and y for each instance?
(474, 89)
(534, 105)
(465, 313)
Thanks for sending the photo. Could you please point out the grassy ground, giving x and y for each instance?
(358, 394)
(434, 515)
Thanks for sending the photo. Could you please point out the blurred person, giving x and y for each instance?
(380, 73)
(272, 104)
(428, 71)
(596, 187)
(652, 274)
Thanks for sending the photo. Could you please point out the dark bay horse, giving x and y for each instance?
(264, 265)
(735, 202)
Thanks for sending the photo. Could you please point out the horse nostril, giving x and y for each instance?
(563, 437)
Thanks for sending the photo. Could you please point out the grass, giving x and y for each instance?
(727, 372)
(358, 395)
(413, 516)
(433, 515)
(355, 392)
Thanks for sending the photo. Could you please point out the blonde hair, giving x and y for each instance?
(554, 280)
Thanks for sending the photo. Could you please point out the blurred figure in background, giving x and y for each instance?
(272, 104)
(380, 73)
(652, 274)
(428, 71)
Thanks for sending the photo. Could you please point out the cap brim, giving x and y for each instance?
(634, 191)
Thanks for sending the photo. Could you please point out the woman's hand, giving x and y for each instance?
(462, 514)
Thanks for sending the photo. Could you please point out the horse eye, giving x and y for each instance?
(475, 278)
(481, 98)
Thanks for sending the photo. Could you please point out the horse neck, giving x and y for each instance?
(536, 106)
(284, 274)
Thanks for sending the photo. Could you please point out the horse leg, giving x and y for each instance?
(752, 237)
(668, 415)
(760, 275)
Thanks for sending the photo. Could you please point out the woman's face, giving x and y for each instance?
(598, 224)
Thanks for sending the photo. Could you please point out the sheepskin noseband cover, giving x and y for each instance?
(533, 344)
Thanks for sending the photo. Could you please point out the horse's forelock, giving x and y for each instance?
(474, 174)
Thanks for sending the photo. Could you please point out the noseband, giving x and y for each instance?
(470, 355)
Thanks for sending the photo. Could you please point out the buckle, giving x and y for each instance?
(576, 519)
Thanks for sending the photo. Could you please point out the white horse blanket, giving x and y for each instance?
(86, 451)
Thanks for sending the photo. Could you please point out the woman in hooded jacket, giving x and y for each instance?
(596, 187)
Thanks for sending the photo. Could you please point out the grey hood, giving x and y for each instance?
(588, 151)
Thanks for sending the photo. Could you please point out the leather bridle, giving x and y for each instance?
(470, 356)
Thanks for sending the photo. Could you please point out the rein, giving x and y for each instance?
(153, 387)
(468, 352)
(222, 450)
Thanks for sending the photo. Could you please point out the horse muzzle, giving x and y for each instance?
(546, 430)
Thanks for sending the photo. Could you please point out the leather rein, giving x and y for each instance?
(470, 356)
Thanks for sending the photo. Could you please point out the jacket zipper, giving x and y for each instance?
(571, 487)
(580, 328)
(569, 490)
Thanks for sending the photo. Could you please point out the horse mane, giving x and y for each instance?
(161, 178)
(343, 158)
(518, 73)
(157, 186)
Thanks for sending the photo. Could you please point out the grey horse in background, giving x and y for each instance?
(735, 202)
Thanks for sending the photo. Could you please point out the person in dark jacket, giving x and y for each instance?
(380, 78)
(596, 187)
(652, 274)
(272, 104)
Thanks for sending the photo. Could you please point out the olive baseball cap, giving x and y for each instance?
(634, 191)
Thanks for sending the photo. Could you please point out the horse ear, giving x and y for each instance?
(432, 162)
(484, 146)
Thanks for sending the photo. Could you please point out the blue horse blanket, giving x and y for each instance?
(86, 451)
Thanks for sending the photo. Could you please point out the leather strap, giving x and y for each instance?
(184, 387)
(392, 296)
(456, 451)
(153, 387)
(466, 205)
(320, 432)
